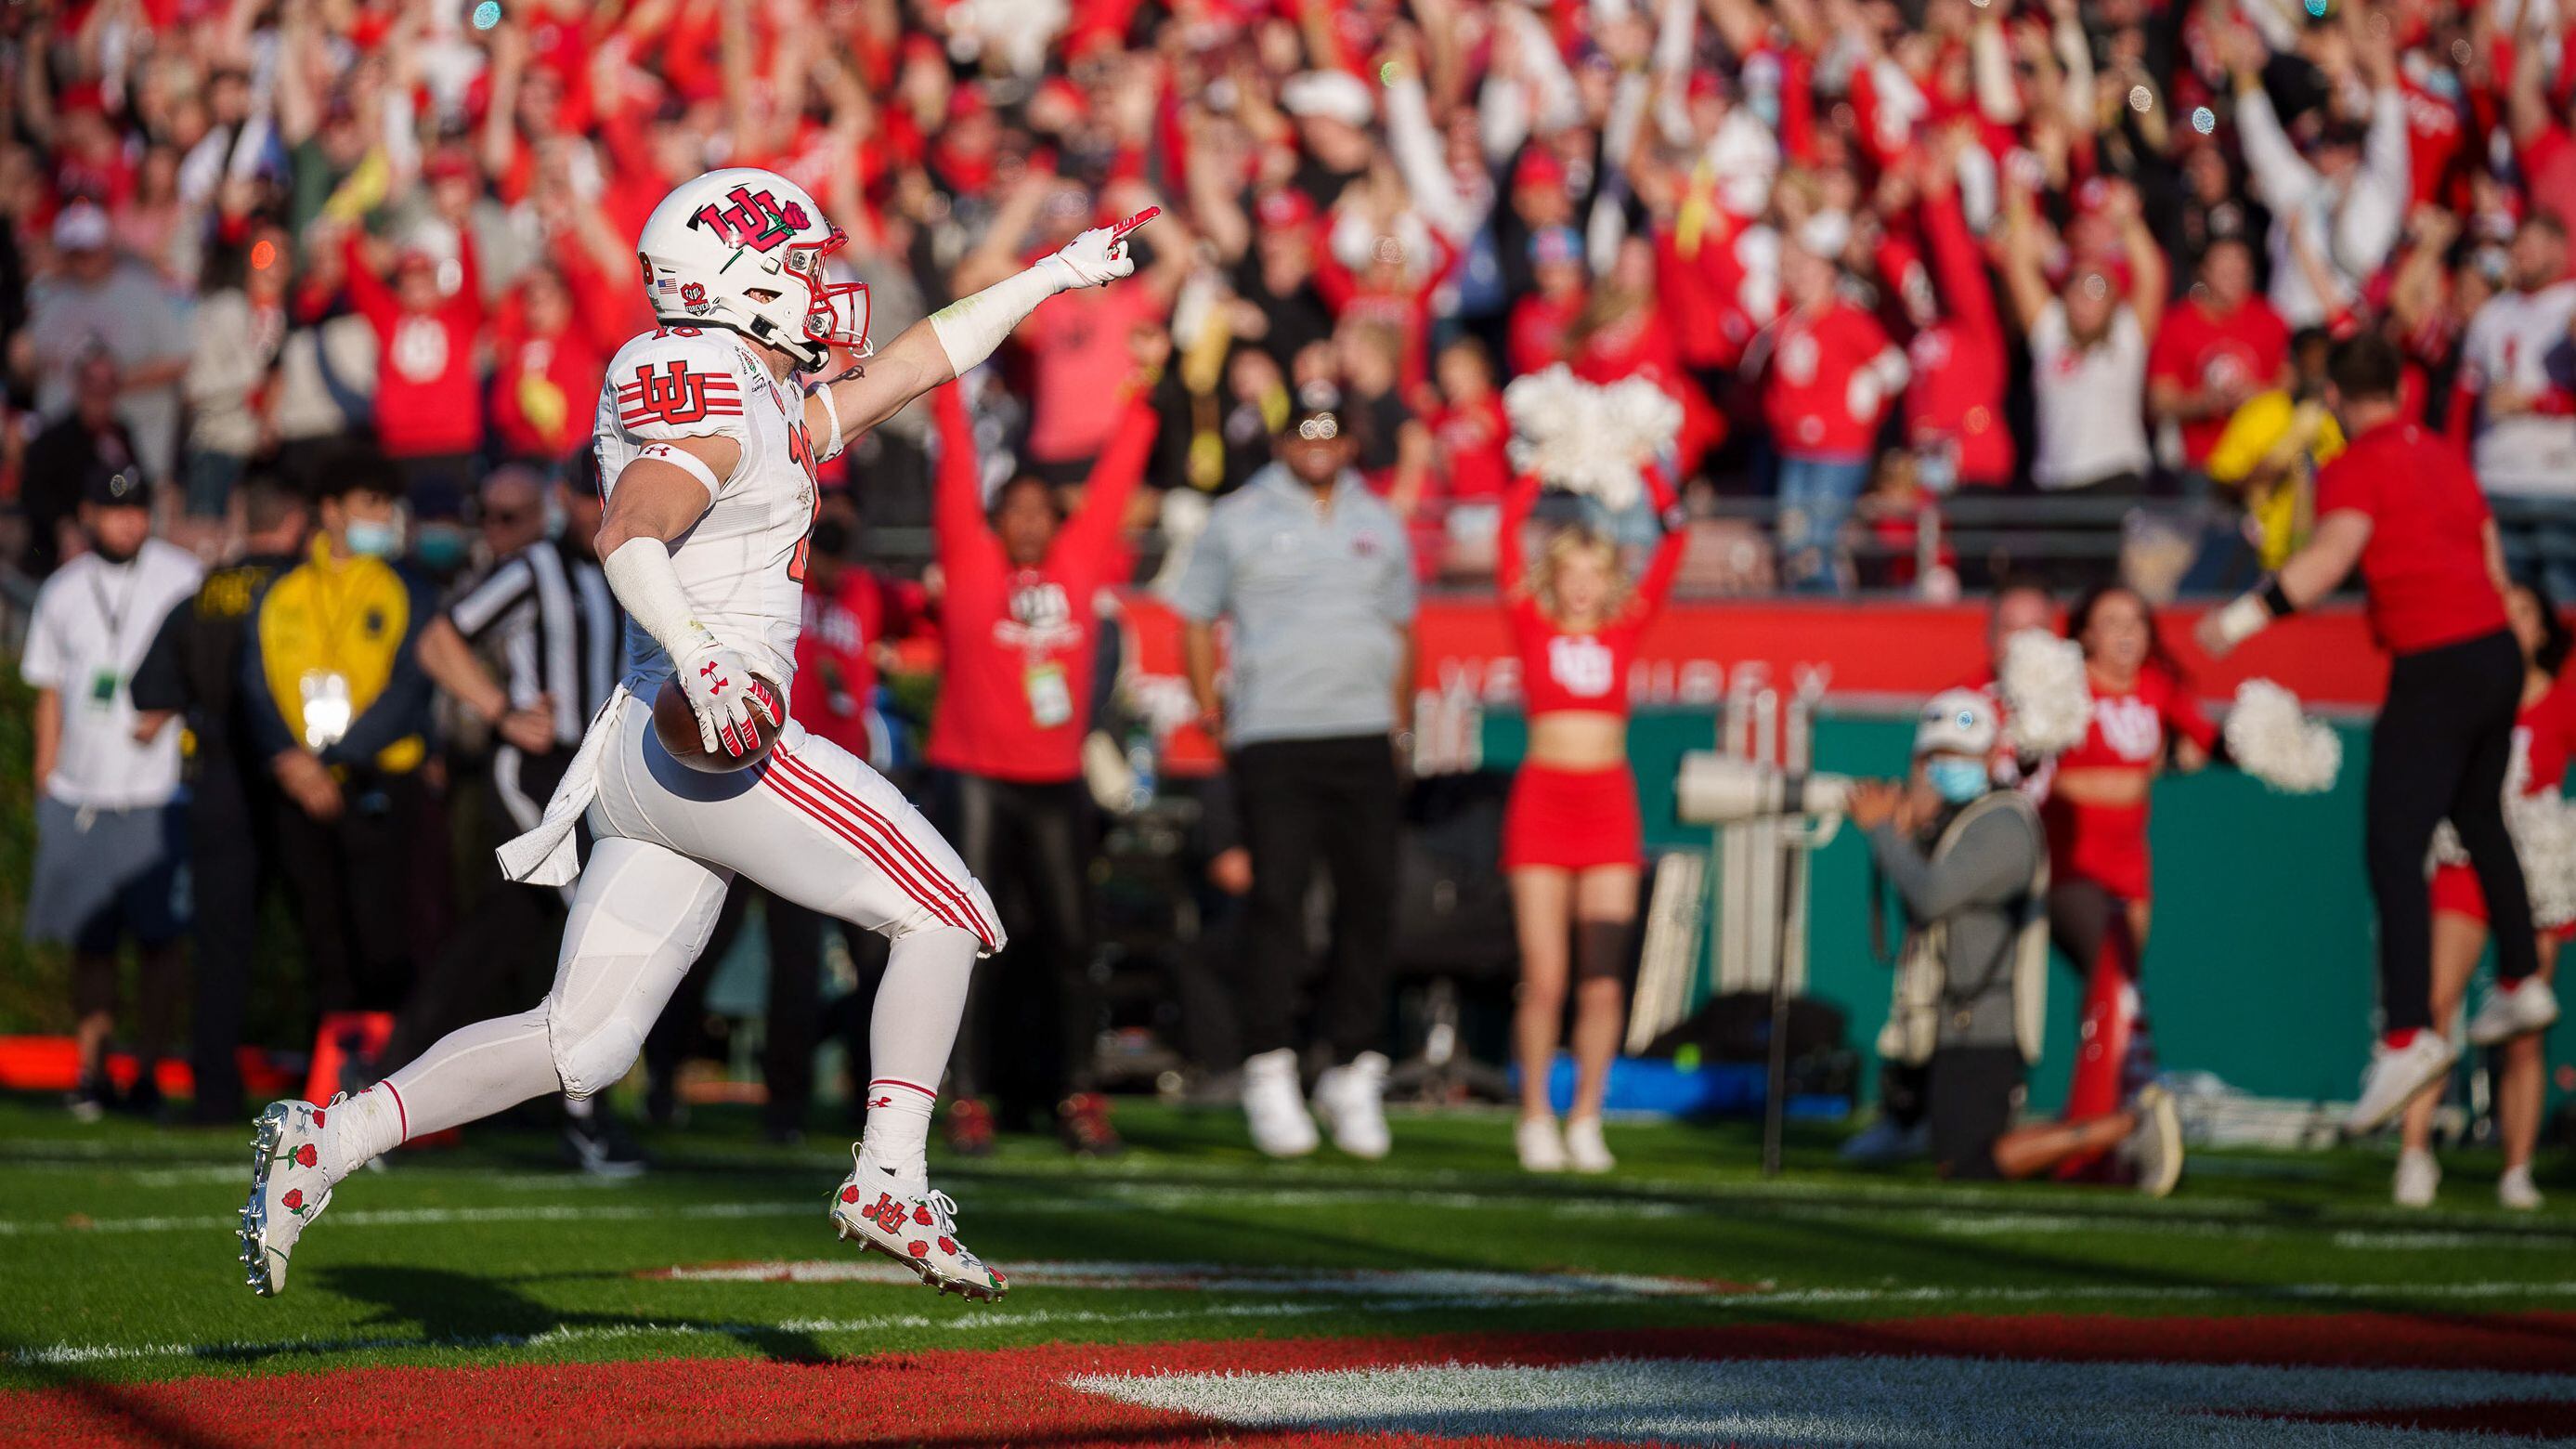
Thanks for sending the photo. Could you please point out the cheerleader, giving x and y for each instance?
(2544, 741)
(2096, 813)
(1572, 840)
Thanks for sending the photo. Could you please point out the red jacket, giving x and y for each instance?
(1807, 394)
(1015, 696)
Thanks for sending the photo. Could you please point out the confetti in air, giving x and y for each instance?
(488, 14)
(2203, 119)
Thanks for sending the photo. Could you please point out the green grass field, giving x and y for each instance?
(118, 1281)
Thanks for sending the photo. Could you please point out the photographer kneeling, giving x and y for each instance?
(1972, 866)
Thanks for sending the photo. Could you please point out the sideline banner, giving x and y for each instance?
(1882, 651)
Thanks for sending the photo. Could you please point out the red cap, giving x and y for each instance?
(1284, 207)
(967, 102)
(1539, 167)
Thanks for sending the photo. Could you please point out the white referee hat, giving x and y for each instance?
(1961, 721)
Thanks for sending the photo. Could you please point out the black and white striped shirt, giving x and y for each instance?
(558, 629)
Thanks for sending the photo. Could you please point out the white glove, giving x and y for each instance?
(727, 699)
(1099, 256)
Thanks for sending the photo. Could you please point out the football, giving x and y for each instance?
(675, 724)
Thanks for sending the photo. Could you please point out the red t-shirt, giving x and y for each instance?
(1536, 337)
(1016, 644)
(1565, 669)
(2197, 347)
(428, 399)
(1807, 397)
(2426, 562)
(1079, 344)
(1471, 439)
(1955, 394)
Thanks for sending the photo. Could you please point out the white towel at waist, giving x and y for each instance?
(549, 855)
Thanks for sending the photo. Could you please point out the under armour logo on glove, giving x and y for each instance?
(727, 715)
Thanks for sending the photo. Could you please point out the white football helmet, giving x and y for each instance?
(743, 248)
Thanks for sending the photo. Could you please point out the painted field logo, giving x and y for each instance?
(1865, 1400)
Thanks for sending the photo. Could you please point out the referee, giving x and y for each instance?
(2402, 505)
(546, 612)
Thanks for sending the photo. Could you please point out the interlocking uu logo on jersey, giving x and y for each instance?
(755, 219)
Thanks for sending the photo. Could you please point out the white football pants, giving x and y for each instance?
(811, 823)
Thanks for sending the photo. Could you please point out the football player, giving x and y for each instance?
(708, 441)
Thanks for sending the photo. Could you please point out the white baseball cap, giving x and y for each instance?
(1335, 94)
(1960, 721)
(80, 227)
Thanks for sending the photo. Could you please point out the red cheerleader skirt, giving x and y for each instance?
(2456, 890)
(1573, 819)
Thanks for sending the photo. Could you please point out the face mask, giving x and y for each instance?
(440, 547)
(376, 538)
(557, 519)
(1956, 780)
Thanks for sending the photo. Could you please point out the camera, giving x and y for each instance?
(1715, 789)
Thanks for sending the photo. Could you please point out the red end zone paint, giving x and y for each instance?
(971, 1398)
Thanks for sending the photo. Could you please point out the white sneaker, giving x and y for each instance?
(1541, 1146)
(1885, 1142)
(1273, 1106)
(288, 1190)
(899, 1216)
(1352, 1101)
(2396, 1074)
(2514, 1190)
(1584, 1147)
(2154, 1148)
(2419, 1177)
(2512, 1009)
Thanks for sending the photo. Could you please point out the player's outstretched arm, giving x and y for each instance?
(657, 498)
(955, 338)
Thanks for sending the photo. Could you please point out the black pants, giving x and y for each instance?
(2440, 749)
(359, 884)
(1033, 1013)
(1968, 1097)
(1336, 803)
(791, 1022)
(501, 956)
(232, 851)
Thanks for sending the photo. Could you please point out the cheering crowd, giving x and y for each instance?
(308, 303)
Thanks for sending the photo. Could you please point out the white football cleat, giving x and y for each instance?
(1352, 1101)
(2418, 1178)
(1274, 1108)
(1584, 1147)
(2514, 1190)
(2396, 1074)
(914, 1226)
(2512, 1009)
(288, 1190)
(2154, 1147)
(1541, 1146)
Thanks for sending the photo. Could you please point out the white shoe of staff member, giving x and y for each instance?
(2418, 1178)
(2154, 1147)
(1584, 1147)
(1274, 1108)
(1541, 1146)
(2512, 1009)
(2396, 1074)
(2514, 1190)
(1352, 1101)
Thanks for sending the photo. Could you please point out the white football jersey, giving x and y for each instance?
(743, 565)
(2520, 339)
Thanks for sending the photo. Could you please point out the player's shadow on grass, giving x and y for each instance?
(462, 1310)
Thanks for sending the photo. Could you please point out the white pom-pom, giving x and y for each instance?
(1586, 439)
(2544, 837)
(2273, 742)
(2048, 700)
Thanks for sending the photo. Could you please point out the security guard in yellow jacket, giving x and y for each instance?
(339, 707)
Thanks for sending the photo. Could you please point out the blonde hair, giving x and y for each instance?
(1562, 546)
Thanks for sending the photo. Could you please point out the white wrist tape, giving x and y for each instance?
(971, 327)
(827, 447)
(2243, 619)
(641, 575)
(684, 460)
